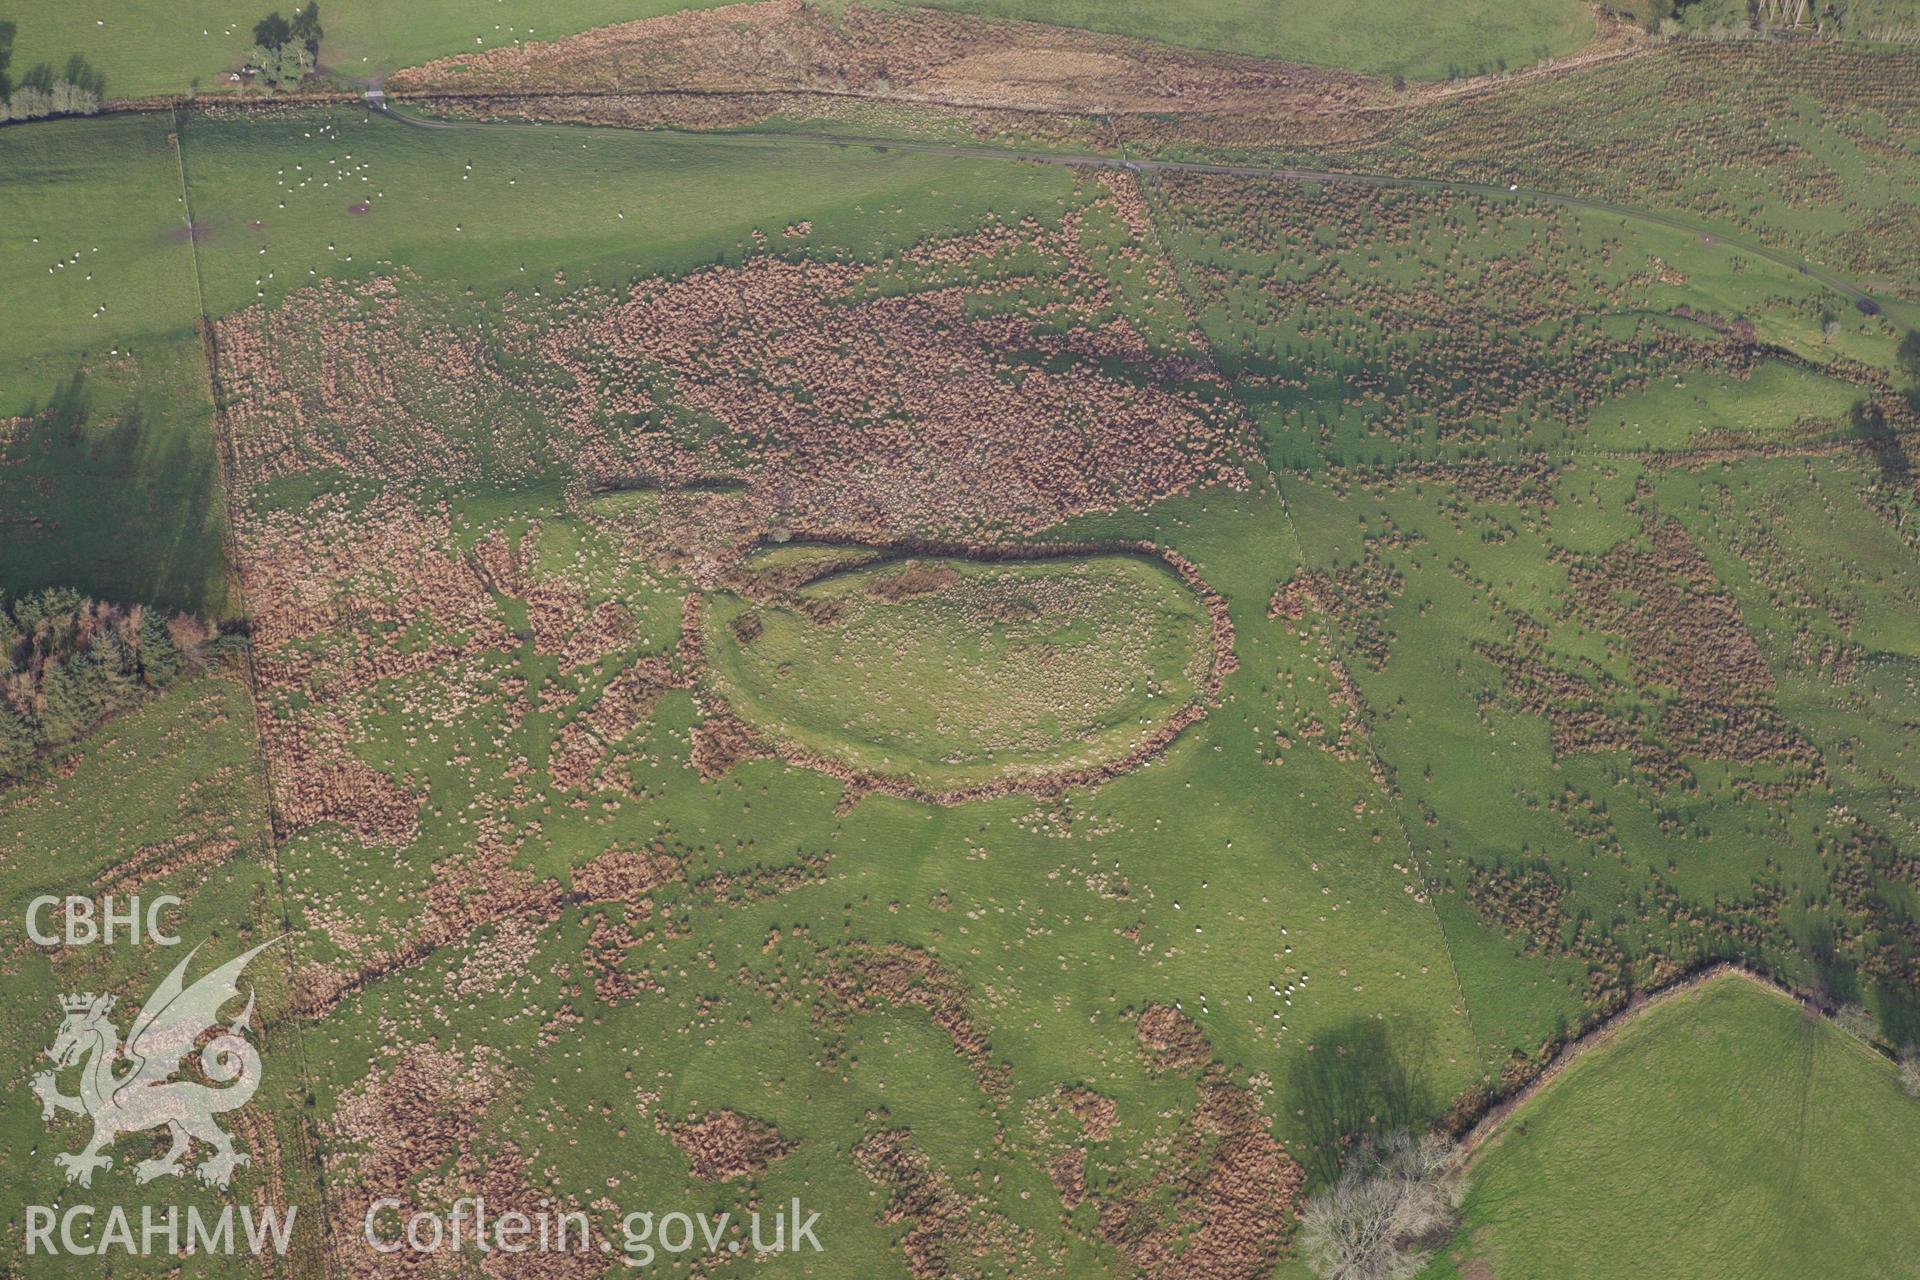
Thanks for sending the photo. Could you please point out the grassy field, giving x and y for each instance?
(1550, 676)
(1774, 402)
(145, 50)
(1465, 615)
(1775, 1137)
(1503, 560)
(164, 800)
(1421, 42)
(1741, 134)
(504, 209)
(111, 482)
(526, 725)
(148, 50)
(1601, 339)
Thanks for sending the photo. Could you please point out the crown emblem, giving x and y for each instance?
(83, 1001)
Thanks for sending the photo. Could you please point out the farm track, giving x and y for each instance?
(1377, 762)
(306, 1147)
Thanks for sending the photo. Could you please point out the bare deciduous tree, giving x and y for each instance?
(1393, 1201)
(1856, 1020)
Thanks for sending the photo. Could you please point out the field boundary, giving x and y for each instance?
(1488, 1126)
(1862, 298)
(309, 1148)
(1378, 771)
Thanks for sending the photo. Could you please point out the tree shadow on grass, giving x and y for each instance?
(120, 504)
(1869, 426)
(1359, 1080)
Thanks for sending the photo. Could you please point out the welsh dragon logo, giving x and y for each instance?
(128, 1088)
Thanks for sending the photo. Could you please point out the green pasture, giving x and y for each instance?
(1484, 783)
(112, 480)
(1806, 146)
(503, 209)
(147, 50)
(1732, 857)
(166, 799)
(1370, 326)
(1776, 402)
(1828, 586)
(1723, 1133)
